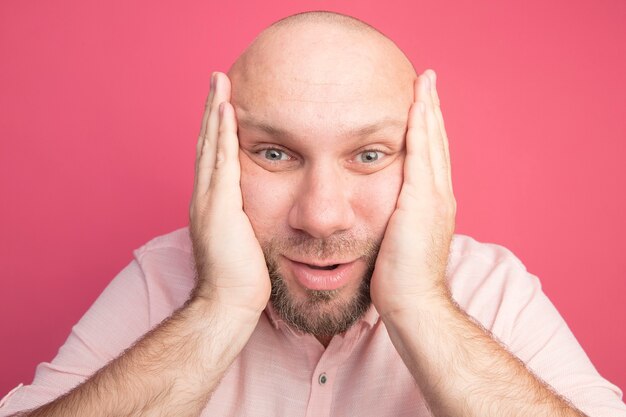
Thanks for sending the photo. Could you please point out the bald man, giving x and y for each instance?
(320, 274)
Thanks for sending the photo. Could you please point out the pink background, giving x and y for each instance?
(101, 101)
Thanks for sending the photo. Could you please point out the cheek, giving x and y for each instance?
(375, 197)
(266, 198)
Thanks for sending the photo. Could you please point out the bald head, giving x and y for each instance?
(321, 70)
(320, 49)
(339, 24)
(338, 19)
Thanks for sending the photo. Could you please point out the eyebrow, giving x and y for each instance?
(361, 131)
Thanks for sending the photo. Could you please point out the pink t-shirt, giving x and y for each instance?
(282, 372)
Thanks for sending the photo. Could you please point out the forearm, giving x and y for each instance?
(172, 370)
(463, 371)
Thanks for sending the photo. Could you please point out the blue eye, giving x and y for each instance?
(369, 156)
(275, 155)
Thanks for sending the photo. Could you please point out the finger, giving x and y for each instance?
(207, 105)
(444, 136)
(205, 118)
(227, 172)
(417, 166)
(221, 87)
(435, 143)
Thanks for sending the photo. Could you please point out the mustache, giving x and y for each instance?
(342, 245)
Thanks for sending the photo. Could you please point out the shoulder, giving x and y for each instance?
(489, 282)
(175, 241)
(465, 248)
(167, 266)
(471, 262)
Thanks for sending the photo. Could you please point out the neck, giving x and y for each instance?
(324, 340)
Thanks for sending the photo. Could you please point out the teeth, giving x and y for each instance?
(325, 268)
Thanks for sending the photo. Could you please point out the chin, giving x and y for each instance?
(320, 312)
(321, 286)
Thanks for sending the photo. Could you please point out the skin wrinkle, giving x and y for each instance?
(335, 83)
(367, 129)
(322, 211)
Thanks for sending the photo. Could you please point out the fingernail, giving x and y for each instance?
(434, 76)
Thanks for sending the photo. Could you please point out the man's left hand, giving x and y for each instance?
(414, 252)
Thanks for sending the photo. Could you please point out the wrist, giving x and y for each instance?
(425, 307)
(209, 312)
(217, 336)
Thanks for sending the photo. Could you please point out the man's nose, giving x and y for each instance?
(322, 204)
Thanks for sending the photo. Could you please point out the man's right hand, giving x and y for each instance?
(231, 269)
(174, 367)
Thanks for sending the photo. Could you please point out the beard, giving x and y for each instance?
(323, 312)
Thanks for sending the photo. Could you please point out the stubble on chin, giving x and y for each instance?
(321, 313)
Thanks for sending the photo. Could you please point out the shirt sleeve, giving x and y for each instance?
(119, 316)
(541, 338)
(494, 287)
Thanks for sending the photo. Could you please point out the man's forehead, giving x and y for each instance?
(310, 84)
(319, 70)
(367, 128)
(356, 113)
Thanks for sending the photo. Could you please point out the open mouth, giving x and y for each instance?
(323, 268)
(330, 276)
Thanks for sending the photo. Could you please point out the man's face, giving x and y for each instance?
(322, 150)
